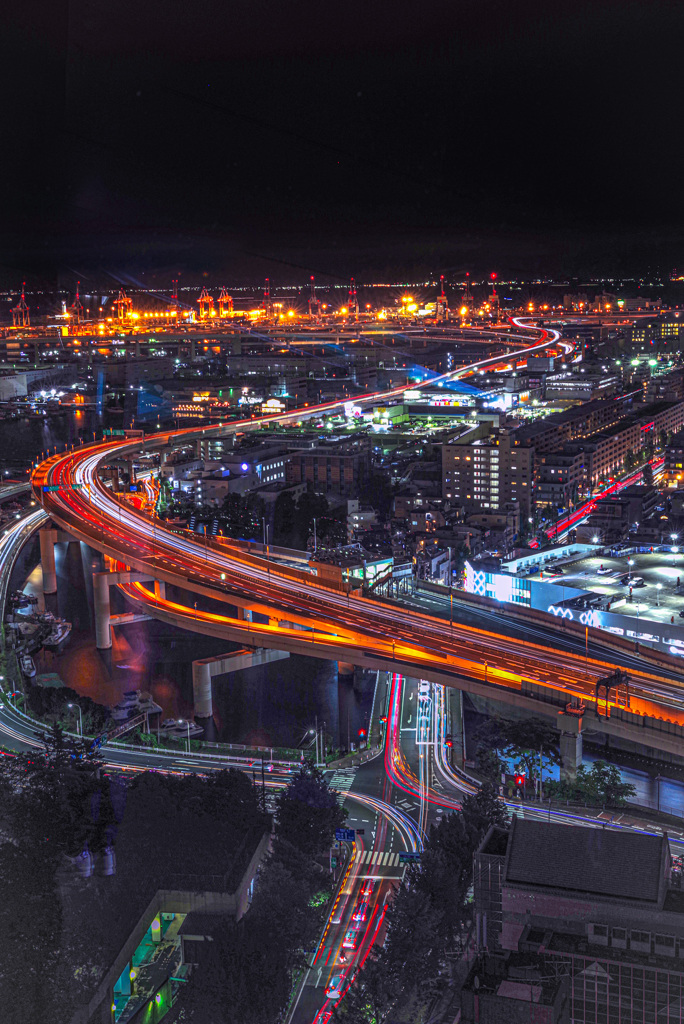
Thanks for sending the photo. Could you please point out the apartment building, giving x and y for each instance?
(488, 472)
(560, 478)
(573, 424)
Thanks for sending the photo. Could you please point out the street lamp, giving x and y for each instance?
(630, 563)
(80, 717)
(659, 587)
(181, 721)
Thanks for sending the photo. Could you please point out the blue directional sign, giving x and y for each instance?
(345, 835)
(408, 858)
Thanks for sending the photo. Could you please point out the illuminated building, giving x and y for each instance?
(488, 471)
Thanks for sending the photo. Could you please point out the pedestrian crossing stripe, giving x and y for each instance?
(342, 780)
(379, 859)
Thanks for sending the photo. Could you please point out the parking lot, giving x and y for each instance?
(660, 598)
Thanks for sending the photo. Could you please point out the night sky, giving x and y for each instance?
(234, 139)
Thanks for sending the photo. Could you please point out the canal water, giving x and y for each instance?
(273, 705)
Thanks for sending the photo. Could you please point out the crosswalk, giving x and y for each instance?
(342, 780)
(379, 859)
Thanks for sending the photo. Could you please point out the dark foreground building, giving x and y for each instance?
(603, 908)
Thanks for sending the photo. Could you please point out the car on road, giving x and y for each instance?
(361, 909)
(554, 570)
(351, 938)
(603, 571)
(335, 986)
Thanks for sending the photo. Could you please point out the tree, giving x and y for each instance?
(481, 810)
(52, 803)
(309, 507)
(600, 784)
(331, 532)
(489, 763)
(242, 516)
(284, 518)
(609, 784)
(520, 743)
(308, 812)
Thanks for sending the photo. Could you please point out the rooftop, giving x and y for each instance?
(622, 865)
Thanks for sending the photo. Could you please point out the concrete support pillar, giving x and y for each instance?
(201, 689)
(245, 614)
(571, 754)
(237, 661)
(345, 668)
(137, 348)
(47, 561)
(103, 633)
(160, 590)
(193, 350)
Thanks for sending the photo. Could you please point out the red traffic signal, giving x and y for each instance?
(448, 740)
(519, 780)
(362, 733)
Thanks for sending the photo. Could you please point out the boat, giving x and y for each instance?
(130, 698)
(147, 704)
(20, 600)
(58, 634)
(28, 666)
(134, 702)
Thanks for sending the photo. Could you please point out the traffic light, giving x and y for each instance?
(448, 740)
(519, 780)
(362, 734)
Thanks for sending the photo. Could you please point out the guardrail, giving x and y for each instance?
(603, 637)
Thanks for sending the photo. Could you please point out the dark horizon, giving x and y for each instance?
(233, 141)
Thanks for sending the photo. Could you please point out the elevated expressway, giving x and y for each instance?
(302, 614)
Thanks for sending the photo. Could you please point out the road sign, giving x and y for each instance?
(408, 858)
(345, 835)
(114, 433)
